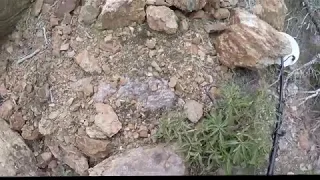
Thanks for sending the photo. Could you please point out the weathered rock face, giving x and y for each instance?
(69, 155)
(65, 6)
(88, 14)
(184, 5)
(10, 13)
(250, 42)
(121, 13)
(16, 159)
(272, 11)
(162, 18)
(141, 161)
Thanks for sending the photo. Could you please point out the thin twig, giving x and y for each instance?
(28, 56)
(315, 94)
(315, 60)
(45, 35)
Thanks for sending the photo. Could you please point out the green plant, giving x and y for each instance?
(234, 134)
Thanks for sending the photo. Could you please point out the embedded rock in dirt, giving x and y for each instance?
(142, 161)
(95, 132)
(29, 132)
(250, 42)
(88, 14)
(93, 148)
(143, 93)
(83, 85)
(44, 159)
(184, 5)
(162, 18)
(65, 6)
(121, 13)
(107, 120)
(16, 159)
(69, 155)
(87, 62)
(194, 110)
(16, 121)
(221, 13)
(46, 126)
(104, 90)
(6, 109)
(272, 11)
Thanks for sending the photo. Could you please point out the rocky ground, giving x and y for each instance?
(83, 81)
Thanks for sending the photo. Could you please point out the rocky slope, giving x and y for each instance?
(85, 83)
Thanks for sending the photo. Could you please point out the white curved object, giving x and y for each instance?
(292, 58)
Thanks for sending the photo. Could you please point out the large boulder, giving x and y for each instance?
(16, 159)
(250, 42)
(121, 13)
(272, 11)
(10, 13)
(142, 161)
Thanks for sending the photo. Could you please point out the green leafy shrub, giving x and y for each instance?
(236, 133)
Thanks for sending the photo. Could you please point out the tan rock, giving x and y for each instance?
(83, 85)
(93, 148)
(95, 132)
(194, 110)
(143, 161)
(88, 14)
(30, 132)
(6, 109)
(87, 62)
(107, 119)
(250, 42)
(46, 126)
(17, 122)
(121, 13)
(69, 155)
(272, 11)
(16, 159)
(162, 18)
(44, 159)
(221, 13)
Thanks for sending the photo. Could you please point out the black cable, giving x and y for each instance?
(277, 132)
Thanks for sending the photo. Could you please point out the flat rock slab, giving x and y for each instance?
(146, 161)
(16, 159)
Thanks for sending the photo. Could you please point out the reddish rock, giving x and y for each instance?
(107, 120)
(250, 42)
(94, 148)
